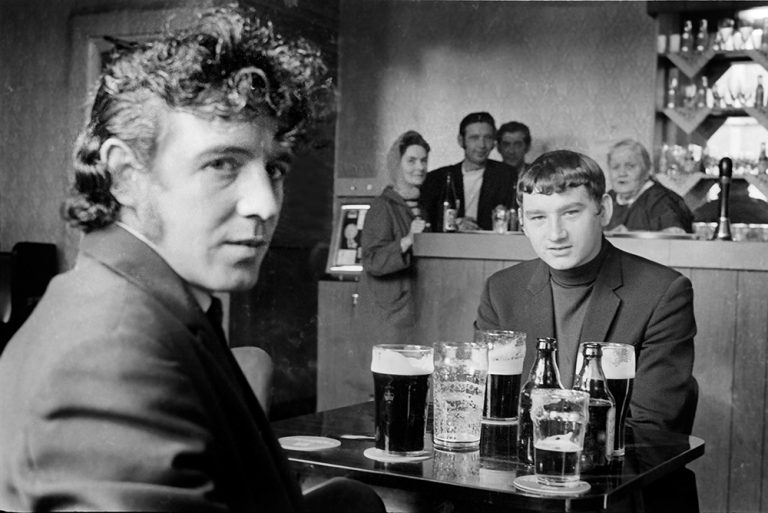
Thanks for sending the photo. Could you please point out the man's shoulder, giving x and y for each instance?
(442, 171)
(517, 273)
(644, 272)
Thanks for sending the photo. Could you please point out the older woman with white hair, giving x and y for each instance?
(387, 241)
(639, 202)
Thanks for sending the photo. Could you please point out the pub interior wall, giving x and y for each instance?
(579, 74)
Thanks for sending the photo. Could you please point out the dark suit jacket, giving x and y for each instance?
(634, 301)
(118, 394)
(498, 188)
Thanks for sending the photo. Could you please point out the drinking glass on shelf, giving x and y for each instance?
(725, 33)
(459, 380)
(560, 419)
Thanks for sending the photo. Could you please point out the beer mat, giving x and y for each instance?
(308, 443)
(379, 455)
(531, 484)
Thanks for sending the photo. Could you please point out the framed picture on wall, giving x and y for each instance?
(345, 255)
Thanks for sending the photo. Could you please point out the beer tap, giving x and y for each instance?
(723, 231)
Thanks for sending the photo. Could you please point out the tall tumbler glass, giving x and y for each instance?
(461, 369)
(401, 382)
(560, 420)
(506, 352)
(619, 368)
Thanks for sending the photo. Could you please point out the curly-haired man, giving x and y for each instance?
(119, 392)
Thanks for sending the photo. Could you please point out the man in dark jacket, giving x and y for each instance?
(480, 183)
(120, 392)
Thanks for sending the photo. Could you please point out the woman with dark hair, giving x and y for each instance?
(387, 241)
(639, 202)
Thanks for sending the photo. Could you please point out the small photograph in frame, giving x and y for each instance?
(345, 255)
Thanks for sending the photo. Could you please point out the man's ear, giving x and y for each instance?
(460, 140)
(607, 209)
(122, 164)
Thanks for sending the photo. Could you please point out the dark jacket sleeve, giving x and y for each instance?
(431, 195)
(665, 391)
(487, 317)
(382, 253)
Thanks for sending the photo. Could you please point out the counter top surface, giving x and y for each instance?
(514, 246)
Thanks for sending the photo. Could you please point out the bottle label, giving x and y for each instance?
(449, 219)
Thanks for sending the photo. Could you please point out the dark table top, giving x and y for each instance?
(484, 476)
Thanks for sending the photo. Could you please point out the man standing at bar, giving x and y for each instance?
(513, 141)
(481, 184)
(582, 288)
(119, 392)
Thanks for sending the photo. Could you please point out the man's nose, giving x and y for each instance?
(556, 229)
(258, 196)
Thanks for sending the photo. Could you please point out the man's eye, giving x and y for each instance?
(571, 213)
(224, 165)
(277, 169)
(536, 218)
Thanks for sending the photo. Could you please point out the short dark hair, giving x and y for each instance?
(229, 66)
(476, 117)
(556, 171)
(412, 138)
(514, 126)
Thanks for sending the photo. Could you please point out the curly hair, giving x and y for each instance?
(230, 66)
(559, 170)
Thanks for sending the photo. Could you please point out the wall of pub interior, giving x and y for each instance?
(580, 74)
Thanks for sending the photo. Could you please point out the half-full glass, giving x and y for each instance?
(560, 420)
(506, 352)
(461, 369)
(401, 382)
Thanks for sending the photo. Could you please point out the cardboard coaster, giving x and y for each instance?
(379, 455)
(531, 484)
(308, 443)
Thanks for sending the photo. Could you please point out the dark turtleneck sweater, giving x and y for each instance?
(571, 293)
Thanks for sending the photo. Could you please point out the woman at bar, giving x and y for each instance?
(387, 240)
(639, 202)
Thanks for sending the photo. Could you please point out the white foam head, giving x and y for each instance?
(506, 360)
(558, 443)
(417, 361)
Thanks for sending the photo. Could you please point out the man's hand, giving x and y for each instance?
(417, 226)
(466, 224)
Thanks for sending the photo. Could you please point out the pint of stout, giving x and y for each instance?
(506, 352)
(401, 381)
(619, 368)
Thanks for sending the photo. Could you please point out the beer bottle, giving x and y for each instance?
(598, 439)
(544, 374)
(702, 37)
(450, 207)
(759, 93)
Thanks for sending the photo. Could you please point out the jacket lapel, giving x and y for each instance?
(605, 302)
(539, 319)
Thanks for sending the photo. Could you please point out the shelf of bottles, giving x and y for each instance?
(693, 101)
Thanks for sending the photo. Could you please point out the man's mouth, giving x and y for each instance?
(252, 242)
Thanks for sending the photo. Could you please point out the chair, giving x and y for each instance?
(24, 276)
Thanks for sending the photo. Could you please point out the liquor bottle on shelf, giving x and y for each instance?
(759, 93)
(702, 94)
(598, 440)
(671, 102)
(702, 37)
(762, 160)
(686, 40)
(450, 207)
(544, 374)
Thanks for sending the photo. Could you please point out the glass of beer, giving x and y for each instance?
(560, 420)
(461, 369)
(401, 382)
(619, 368)
(506, 352)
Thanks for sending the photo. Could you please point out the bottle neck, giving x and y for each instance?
(544, 371)
(591, 378)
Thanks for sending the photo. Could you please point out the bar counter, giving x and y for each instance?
(730, 283)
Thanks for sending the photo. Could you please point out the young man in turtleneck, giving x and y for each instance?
(582, 288)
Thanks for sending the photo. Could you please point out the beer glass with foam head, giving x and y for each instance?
(461, 369)
(560, 420)
(401, 382)
(619, 369)
(506, 352)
